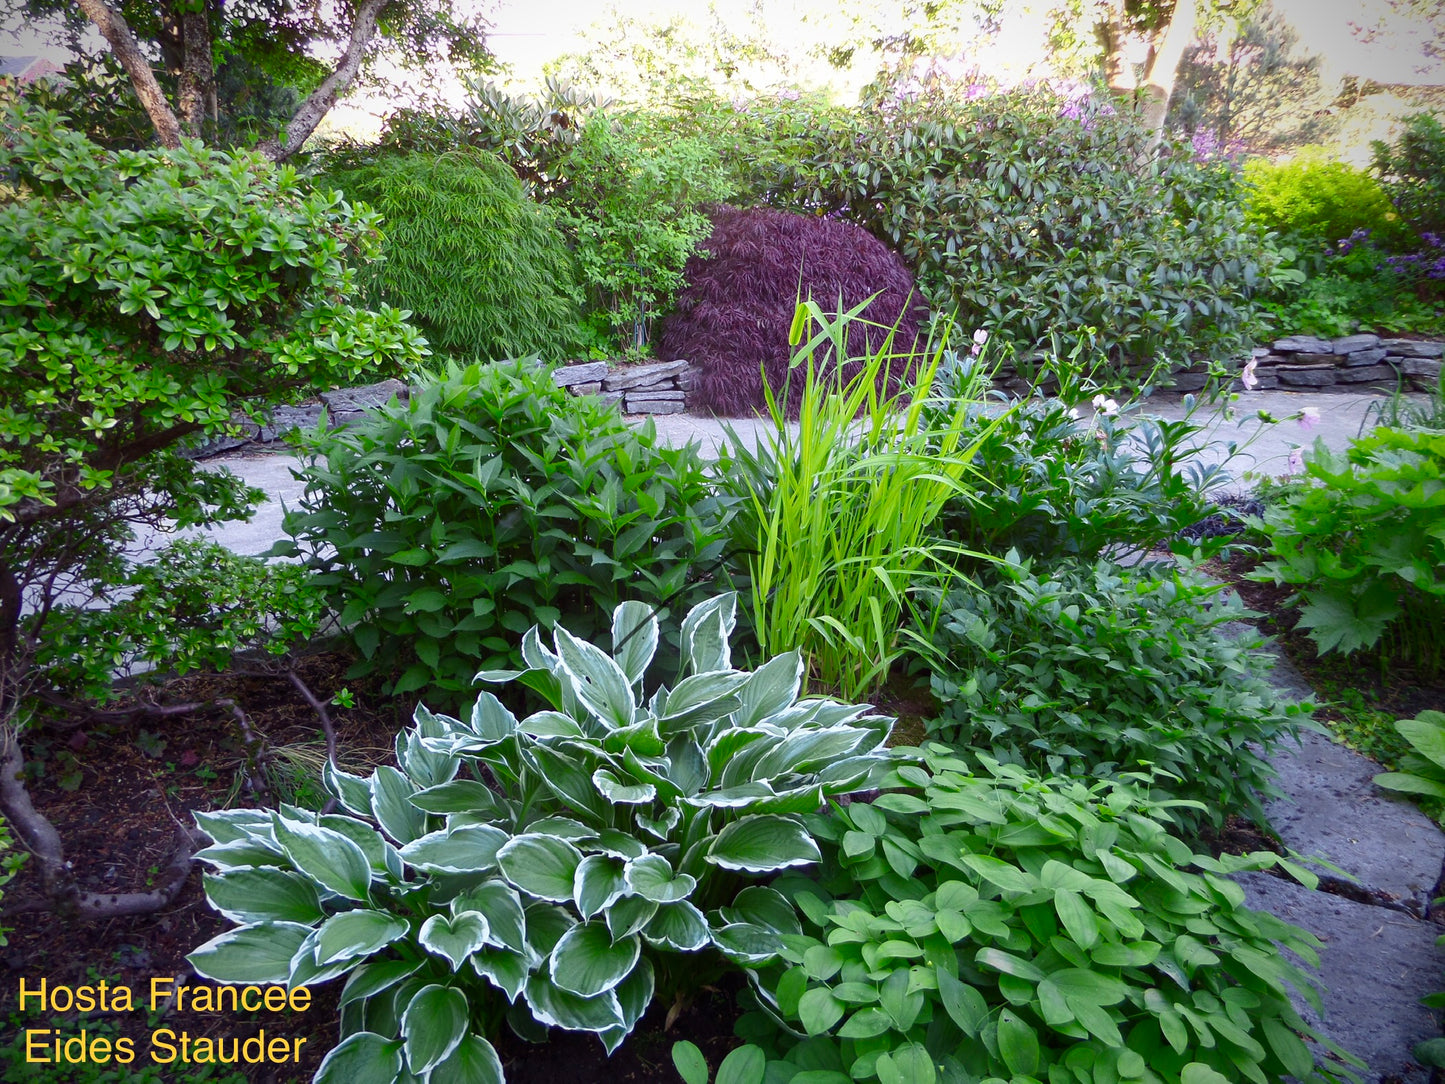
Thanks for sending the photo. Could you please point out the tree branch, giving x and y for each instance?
(117, 33)
(315, 107)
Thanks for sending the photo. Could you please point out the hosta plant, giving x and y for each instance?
(987, 924)
(555, 871)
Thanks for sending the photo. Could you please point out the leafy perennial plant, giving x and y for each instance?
(547, 870)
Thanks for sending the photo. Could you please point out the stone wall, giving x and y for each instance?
(1351, 363)
(659, 387)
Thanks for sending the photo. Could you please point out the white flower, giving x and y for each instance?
(1309, 417)
(1247, 377)
(1074, 413)
(1105, 406)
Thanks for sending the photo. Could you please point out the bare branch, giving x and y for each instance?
(327, 727)
(117, 33)
(315, 107)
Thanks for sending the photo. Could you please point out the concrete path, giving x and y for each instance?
(1260, 448)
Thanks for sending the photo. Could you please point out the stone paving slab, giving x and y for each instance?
(1376, 965)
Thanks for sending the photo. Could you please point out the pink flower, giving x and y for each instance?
(1247, 377)
(980, 339)
(1296, 460)
(1309, 417)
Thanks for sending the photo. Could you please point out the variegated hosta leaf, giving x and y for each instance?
(326, 856)
(433, 1023)
(555, 1007)
(588, 962)
(598, 883)
(363, 1058)
(704, 634)
(352, 791)
(619, 793)
(264, 895)
(678, 926)
(456, 938)
(360, 932)
(543, 866)
(474, 1061)
(762, 844)
(634, 994)
(634, 638)
(469, 849)
(251, 954)
(652, 878)
(598, 682)
(502, 906)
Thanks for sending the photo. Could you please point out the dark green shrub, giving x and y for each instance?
(1360, 538)
(482, 269)
(444, 527)
(1093, 669)
(1312, 199)
(989, 925)
(1033, 215)
(1413, 172)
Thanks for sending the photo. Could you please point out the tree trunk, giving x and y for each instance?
(315, 107)
(123, 44)
(1118, 72)
(1174, 38)
(197, 77)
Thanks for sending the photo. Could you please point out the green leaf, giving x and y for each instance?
(472, 848)
(543, 866)
(378, 975)
(1008, 878)
(326, 856)
(263, 895)
(454, 939)
(763, 843)
(251, 954)
(908, 1064)
(819, 1010)
(356, 933)
(474, 1061)
(743, 1065)
(690, 1063)
(587, 962)
(1196, 1072)
(504, 969)
(458, 796)
(1017, 1044)
(433, 1024)
(363, 1058)
(1078, 917)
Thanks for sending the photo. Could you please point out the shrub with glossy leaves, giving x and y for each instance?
(1311, 198)
(986, 924)
(1033, 214)
(443, 527)
(735, 319)
(1094, 669)
(554, 871)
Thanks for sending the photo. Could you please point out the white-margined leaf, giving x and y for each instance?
(432, 1025)
(357, 933)
(454, 938)
(546, 923)
(679, 926)
(704, 634)
(598, 682)
(587, 962)
(470, 849)
(619, 793)
(551, 724)
(543, 866)
(702, 699)
(567, 828)
(569, 780)
(746, 944)
(427, 767)
(634, 994)
(391, 805)
(249, 896)
(503, 907)
(228, 825)
(251, 954)
(598, 883)
(504, 969)
(662, 825)
(617, 843)
(242, 854)
(380, 853)
(629, 915)
(765, 907)
(456, 796)
(687, 764)
(474, 1061)
(352, 791)
(305, 971)
(634, 638)
(373, 977)
(762, 844)
(557, 1008)
(363, 1058)
(326, 856)
(490, 719)
(807, 750)
(652, 878)
(773, 686)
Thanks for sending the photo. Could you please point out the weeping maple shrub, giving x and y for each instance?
(733, 319)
